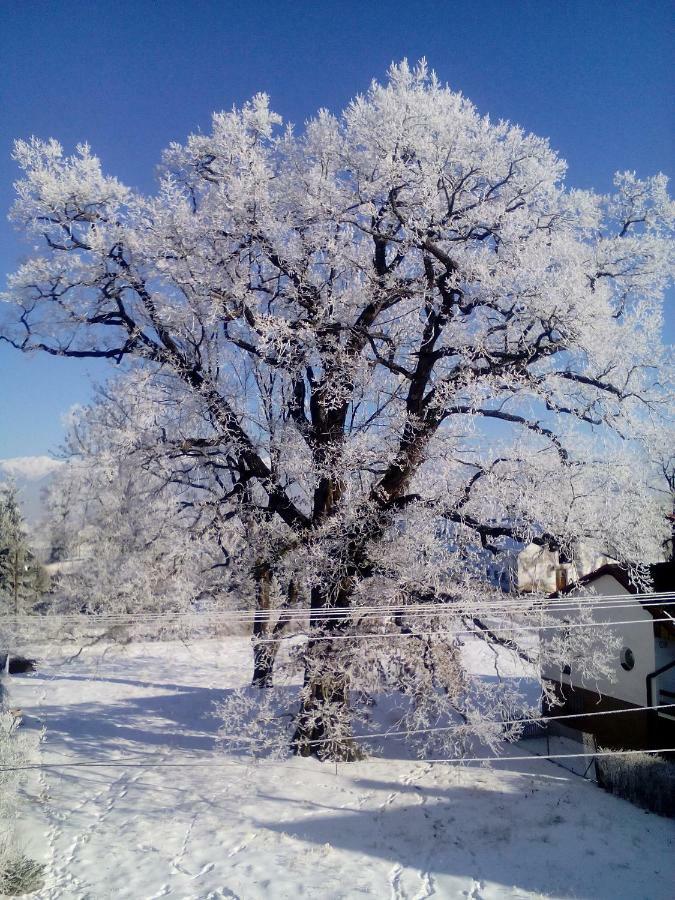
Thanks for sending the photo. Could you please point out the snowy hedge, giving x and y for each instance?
(18, 873)
(648, 781)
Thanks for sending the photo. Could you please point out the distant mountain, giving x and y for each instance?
(31, 475)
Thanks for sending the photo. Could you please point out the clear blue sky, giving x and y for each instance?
(594, 76)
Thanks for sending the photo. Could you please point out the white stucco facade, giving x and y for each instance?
(634, 625)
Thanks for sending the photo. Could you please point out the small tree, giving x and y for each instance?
(22, 579)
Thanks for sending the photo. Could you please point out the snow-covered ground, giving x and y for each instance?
(198, 824)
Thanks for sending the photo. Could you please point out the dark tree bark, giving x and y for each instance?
(265, 637)
(323, 726)
(263, 659)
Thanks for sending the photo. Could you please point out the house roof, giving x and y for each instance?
(663, 579)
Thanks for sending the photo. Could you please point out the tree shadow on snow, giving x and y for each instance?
(544, 845)
(178, 717)
(181, 720)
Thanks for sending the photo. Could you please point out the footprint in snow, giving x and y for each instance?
(244, 844)
(207, 867)
(426, 888)
(473, 892)
(397, 892)
(183, 871)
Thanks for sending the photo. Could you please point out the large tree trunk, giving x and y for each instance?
(263, 655)
(263, 665)
(323, 724)
(266, 637)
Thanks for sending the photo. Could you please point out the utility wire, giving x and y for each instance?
(513, 629)
(520, 599)
(331, 613)
(494, 629)
(435, 728)
(218, 764)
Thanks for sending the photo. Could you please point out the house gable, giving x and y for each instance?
(631, 623)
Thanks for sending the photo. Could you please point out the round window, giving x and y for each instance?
(627, 659)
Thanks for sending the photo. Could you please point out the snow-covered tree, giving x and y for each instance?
(402, 342)
(658, 441)
(136, 537)
(22, 579)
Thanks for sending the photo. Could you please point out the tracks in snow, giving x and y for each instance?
(400, 874)
(63, 857)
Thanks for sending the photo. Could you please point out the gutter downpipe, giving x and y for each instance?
(650, 694)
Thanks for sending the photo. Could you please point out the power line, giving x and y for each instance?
(662, 599)
(436, 728)
(497, 629)
(218, 764)
(519, 600)
(483, 759)
(447, 610)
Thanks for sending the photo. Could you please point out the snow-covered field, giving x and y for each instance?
(194, 822)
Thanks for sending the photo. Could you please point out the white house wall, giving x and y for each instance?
(630, 687)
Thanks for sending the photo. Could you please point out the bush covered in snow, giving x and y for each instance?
(648, 781)
(18, 873)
